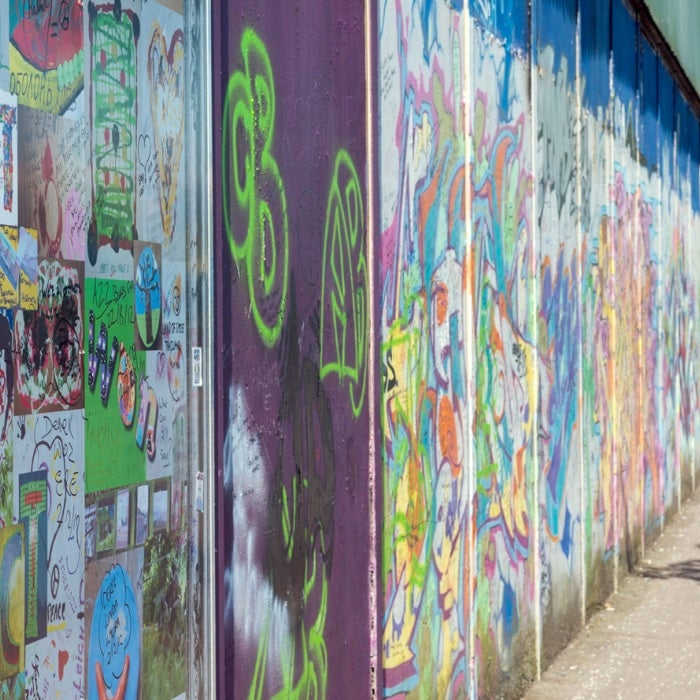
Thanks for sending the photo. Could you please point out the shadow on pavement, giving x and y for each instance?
(689, 569)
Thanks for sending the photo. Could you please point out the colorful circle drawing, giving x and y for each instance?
(11, 600)
(114, 651)
(147, 297)
(126, 386)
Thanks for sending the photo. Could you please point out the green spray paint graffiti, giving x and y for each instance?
(114, 36)
(255, 205)
(344, 312)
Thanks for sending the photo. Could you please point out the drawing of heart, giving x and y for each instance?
(166, 73)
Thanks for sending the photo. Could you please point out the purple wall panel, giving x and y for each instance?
(292, 299)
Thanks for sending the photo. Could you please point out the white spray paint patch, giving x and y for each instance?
(257, 616)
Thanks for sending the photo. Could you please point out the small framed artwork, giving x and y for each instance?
(160, 504)
(142, 514)
(106, 531)
(123, 519)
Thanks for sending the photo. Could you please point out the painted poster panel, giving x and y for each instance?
(8, 160)
(27, 255)
(113, 32)
(6, 412)
(120, 406)
(167, 370)
(9, 267)
(49, 342)
(293, 271)
(32, 512)
(165, 639)
(5, 48)
(50, 448)
(148, 295)
(113, 621)
(46, 53)
(54, 157)
(160, 201)
(11, 600)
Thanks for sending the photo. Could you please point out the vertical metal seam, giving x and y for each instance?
(535, 232)
(206, 253)
(613, 322)
(373, 466)
(583, 501)
(470, 353)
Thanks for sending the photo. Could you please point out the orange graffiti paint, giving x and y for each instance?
(447, 431)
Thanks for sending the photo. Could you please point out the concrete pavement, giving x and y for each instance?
(645, 642)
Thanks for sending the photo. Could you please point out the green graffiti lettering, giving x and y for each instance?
(255, 205)
(344, 310)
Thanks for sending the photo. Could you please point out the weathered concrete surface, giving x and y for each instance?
(645, 641)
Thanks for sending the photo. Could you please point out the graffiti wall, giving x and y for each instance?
(94, 327)
(538, 205)
(453, 333)
(424, 410)
(292, 349)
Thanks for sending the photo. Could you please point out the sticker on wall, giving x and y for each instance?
(197, 379)
(11, 600)
(28, 269)
(46, 53)
(199, 493)
(49, 342)
(9, 267)
(114, 652)
(147, 295)
(54, 171)
(8, 159)
(32, 512)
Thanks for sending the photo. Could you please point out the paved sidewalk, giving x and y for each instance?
(646, 642)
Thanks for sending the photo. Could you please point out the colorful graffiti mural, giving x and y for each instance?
(530, 373)
(454, 339)
(426, 503)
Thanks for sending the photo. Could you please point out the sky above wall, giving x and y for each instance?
(679, 21)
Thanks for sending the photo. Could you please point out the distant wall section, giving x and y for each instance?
(539, 214)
